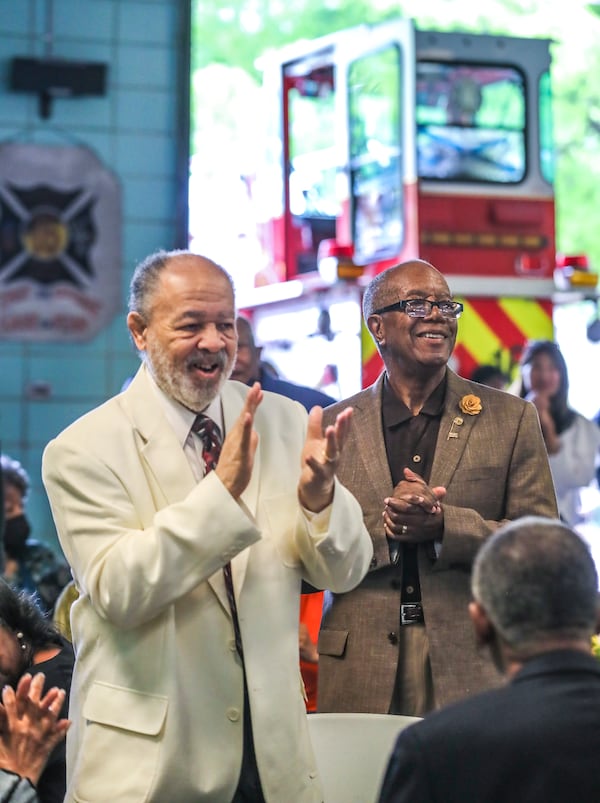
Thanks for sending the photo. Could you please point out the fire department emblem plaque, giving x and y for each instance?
(60, 243)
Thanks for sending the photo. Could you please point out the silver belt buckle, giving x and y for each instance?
(411, 613)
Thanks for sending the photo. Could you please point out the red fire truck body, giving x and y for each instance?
(391, 143)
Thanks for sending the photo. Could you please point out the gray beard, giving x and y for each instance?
(182, 388)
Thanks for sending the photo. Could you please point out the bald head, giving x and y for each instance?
(383, 288)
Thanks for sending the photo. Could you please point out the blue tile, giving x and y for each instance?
(144, 238)
(17, 108)
(143, 23)
(82, 111)
(140, 66)
(11, 424)
(150, 155)
(150, 111)
(11, 46)
(77, 378)
(92, 19)
(149, 198)
(15, 20)
(46, 421)
(12, 373)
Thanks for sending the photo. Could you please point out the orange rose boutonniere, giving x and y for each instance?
(470, 404)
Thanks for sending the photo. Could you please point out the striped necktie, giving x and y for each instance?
(210, 435)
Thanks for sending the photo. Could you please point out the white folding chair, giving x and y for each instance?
(352, 751)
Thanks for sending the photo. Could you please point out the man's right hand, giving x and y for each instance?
(236, 461)
(414, 512)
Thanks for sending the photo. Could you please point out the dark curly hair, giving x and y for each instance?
(20, 613)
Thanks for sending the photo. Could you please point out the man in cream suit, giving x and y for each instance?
(437, 463)
(166, 703)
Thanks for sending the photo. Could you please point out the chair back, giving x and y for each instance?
(352, 752)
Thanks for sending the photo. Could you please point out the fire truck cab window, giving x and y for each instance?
(374, 101)
(470, 123)
(311, 167)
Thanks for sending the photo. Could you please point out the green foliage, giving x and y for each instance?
(235, 32)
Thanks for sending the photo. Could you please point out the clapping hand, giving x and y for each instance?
(320, 457)
(414, 512)
(29, 726)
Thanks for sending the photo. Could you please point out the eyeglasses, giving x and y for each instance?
(422, 308)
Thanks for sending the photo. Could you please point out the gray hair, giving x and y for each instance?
(377, 292)
(536, 579)
(14, 474)
(147, 275)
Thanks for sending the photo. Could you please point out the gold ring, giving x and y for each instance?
(404, 529)
(328, 459)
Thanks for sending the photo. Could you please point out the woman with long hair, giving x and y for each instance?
(572, 441)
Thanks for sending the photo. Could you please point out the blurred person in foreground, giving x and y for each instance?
(537, 739)
(438, 464)
(189, 562)
(31, 643)
(249, 369)
(29, 565)
(572, 441)
(30, 729)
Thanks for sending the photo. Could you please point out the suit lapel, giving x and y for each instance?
(368, 432)
(170, 469)
(160, 448)
(232, 399)
(453, 436)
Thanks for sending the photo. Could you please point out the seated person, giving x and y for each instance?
(29, 565)
(537, 739)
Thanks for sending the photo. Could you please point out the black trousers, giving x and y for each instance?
(249, 789)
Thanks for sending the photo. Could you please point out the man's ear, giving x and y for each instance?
(137, 327)
(376, 328)
(484, 629)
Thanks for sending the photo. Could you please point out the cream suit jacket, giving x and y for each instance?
(495, 469)
(147, 544)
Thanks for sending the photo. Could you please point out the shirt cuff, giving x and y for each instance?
(318, 523)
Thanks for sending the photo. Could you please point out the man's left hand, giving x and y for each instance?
(414, 512)
(320, 457)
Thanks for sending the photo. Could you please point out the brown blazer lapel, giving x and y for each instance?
(368, 435)
(453, 436)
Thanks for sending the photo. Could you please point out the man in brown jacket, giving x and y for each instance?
(438, 463)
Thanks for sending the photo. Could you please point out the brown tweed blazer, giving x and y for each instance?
(496, 470)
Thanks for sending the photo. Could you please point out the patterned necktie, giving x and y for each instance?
(210, 435)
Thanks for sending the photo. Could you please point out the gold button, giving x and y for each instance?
(417, 458)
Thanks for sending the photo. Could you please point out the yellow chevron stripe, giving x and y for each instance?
(367, 344)
(531, 318)
(476, 336)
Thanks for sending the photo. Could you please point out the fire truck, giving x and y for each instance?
(388, 143)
